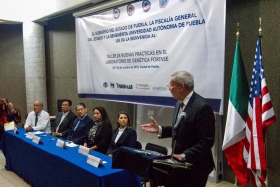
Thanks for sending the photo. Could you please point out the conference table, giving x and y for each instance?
(45, 164)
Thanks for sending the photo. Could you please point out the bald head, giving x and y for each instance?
(38, 107)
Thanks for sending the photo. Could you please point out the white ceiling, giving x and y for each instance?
(18, 11)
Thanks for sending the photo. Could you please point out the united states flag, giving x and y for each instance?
(260, 116)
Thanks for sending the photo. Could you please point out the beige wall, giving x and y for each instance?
(12, 79)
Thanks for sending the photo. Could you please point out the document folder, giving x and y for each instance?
(168, 166)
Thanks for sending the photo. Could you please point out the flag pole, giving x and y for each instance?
(237, 37)
(237, 30)
(260, 29)
(260, 33)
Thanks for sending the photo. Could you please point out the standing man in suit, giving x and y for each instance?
(38, 119)
(81, 125)
(64, 120)
(194, 135)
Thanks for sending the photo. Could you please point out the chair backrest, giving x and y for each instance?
(157, 148)
(138, 145)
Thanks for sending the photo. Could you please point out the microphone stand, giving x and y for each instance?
(174, 144)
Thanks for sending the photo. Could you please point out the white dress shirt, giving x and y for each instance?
(119, 134)
(43, 123)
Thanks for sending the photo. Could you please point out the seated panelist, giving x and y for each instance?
(38, 119)
(99, 136)
(123, 135)
(81, 125)
(64, 120)
(8, 114)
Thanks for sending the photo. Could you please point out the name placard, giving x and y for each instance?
(60, 143)
(30, 135)
(36, 139)
(15, 130)
(83, 150)
(94, 161)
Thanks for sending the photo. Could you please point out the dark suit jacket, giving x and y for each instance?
(78, 136)
(128, 138)
(66, 125)
(102, 138)
(195, 136)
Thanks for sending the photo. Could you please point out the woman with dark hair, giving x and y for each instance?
(100, 134)
(11, 114)
(123, 135)
(8, 114)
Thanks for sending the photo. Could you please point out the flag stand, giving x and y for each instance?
(235, 182)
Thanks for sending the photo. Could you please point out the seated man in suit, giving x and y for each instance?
(81, 125)
(38, 119)
(64, 120)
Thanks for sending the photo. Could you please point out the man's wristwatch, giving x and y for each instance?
(183, 156)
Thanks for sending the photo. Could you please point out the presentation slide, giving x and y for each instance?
(129, 53)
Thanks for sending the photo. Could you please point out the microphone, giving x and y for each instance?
(181, 116)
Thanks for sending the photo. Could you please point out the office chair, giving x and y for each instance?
(157, 148)
(153, 147)
(138, 145)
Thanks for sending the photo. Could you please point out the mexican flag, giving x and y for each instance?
(234, 138)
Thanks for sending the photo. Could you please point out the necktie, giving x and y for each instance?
(62, 118)
(181, 108)
(36, 120)
(77, 125)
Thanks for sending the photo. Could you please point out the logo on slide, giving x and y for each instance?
(105, 84)
(143, 86)
(163, 3)
(130, 9)
(160, 88)
(116, 13)
(146, 5)
(124, 86)
(112, 85)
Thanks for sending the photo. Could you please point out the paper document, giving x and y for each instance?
(9, 126)
(71, 144)
(39, 132)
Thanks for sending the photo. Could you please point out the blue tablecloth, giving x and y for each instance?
(46, 165)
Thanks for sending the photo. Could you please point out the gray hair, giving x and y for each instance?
(184, 77)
